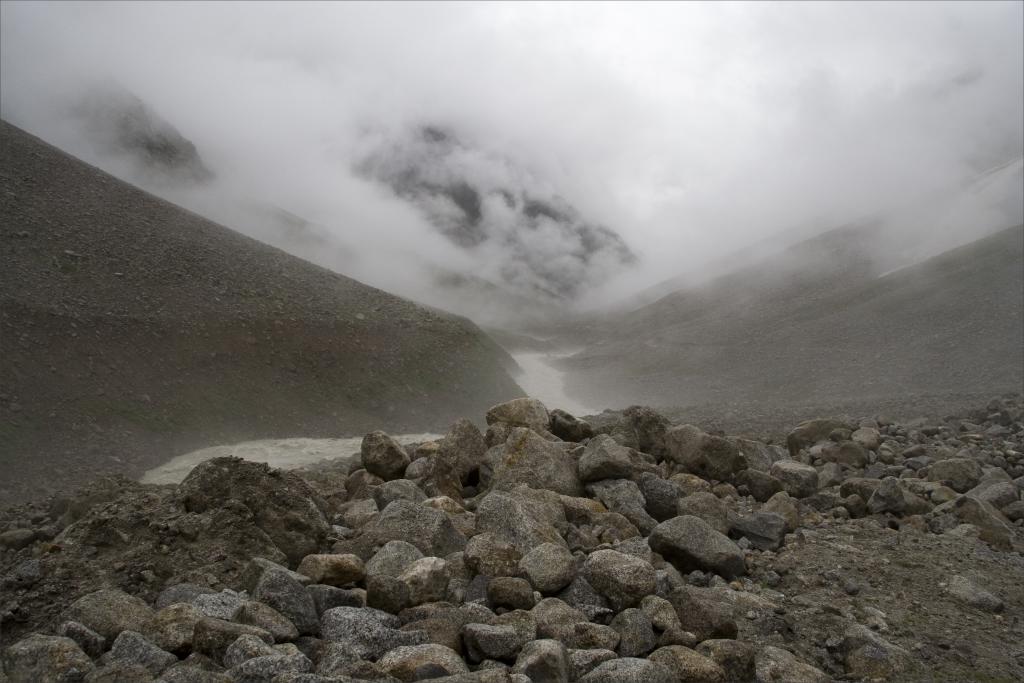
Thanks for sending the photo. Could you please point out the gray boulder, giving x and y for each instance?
(514, 519)
(543, 660)
(370, 633)
(133, 648)
(798, 480)
(521, 412)
(383, 456)
(624, 497)
(283, 504)
(629, 670)
(549, 567)
(959, 474)
(53, 659)
(569, 428)
(527, 458)
(392, 558)
(289, 597)
(773, 664)
(603, 458)
(427, 528)
(706, 455)
(623, 579)
(689, 543)
(108, 612)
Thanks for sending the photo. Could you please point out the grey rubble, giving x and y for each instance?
(862, 550)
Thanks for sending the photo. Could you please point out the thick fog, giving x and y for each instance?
(690, 130)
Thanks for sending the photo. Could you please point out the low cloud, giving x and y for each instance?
(691, 130)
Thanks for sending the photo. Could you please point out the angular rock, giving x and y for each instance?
(333, 570)
(108, 612)
(463, 445)
(510, 593)
(487, 554)
(704, 613)
(427, 579)
(327, 597)
(370, 633)
(689, 543)
(173, 626)
(270, 668)
(966, 591)
(798, 480)
(515, 520)
(734, 656)
(623, 579)
(133, 648)
(404, 662)
(569, 428)
(392, 559)
(289, 597)
(959, 474)
(629, 670)
(624, 497)
(266, 617)
(764, 530)
(708, 507)
(543, 661)
(245, 648)
(283, 505)
(706, 455)
(46, 658)
(773, 664)
(603, 458)
(92, 643)
(661, 495)
(808, 433)
(761, 485)
(499, 641)
(396, 489)
(213, 636)
(527, 458)
(521, 412)
(430, 530)
(636, 633)
(383, 456)
(690, 666)
(868, 655)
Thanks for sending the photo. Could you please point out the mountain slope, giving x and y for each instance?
(822, 320)
(132, 329)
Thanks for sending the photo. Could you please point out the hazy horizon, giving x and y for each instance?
(691, 130)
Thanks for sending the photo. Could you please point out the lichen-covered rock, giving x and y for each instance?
(543, 660)
(515, 520)
(282, 504)
(333, 570)
(50, 659)
(405, 662)
(427, 528)
(629, 670)
(689, 665)
(527, 458)
(623, 579)
(521, 412)
(427, 579)
(108, 612)
(775, 664)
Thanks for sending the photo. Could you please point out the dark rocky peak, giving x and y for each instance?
(118, 122)
(482, 201)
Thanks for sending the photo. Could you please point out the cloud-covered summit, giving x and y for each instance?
(533, 241)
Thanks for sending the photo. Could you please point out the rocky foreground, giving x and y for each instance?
(543, 550)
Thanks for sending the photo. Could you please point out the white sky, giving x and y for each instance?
(692, 129)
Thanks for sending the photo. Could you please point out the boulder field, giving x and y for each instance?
(542, 549)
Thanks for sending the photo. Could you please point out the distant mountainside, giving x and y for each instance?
(118, 123)
(133, 330)
(823, 318)
(539, 245)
